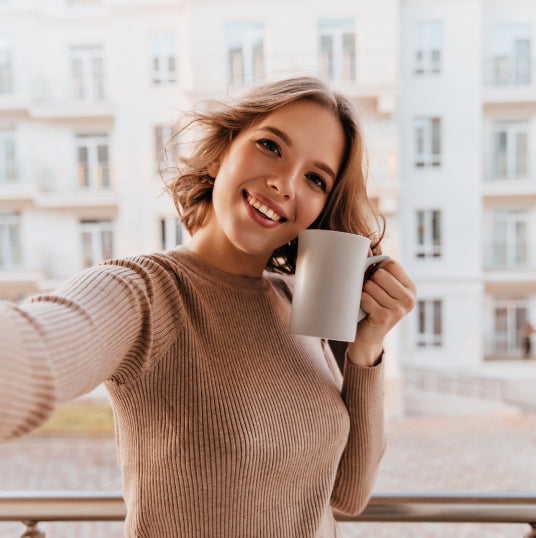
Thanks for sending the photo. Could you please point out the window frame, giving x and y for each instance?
(95, 177)
(164, 58)
(96, 230)
(338, 68)
(89, 84)
(245, 45)
(430, 323)
(429, 233)
(430, 154)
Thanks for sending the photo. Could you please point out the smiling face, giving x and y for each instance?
(272, 182)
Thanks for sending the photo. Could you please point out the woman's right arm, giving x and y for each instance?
(58, 346)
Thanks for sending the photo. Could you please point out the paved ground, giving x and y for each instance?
(423, 454)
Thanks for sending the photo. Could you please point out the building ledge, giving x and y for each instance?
(72, 110)
(509, 94)
(59, 200)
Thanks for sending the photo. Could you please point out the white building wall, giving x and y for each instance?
(454, 187)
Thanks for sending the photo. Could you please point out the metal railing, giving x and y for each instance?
(32, 507)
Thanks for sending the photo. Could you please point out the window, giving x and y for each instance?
(427, 141)
(97, 241)
(10, 241)
(427, 47)
(510, 150)
(8, 173)
(164, 58)
(510, 239)
(511, 55)
(429, 234)
(87, 65)
(6, 67)
(245, 52)
(93, 162)
(170, 233)
(162, 135)
(337, 49)
(430, 323)
(509, 315)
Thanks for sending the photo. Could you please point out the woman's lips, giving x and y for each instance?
(258, 217)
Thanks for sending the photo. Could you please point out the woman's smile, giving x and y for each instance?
(259, 206)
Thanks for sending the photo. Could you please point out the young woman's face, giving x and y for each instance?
(274, 179)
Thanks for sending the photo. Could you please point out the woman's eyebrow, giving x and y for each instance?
(288, 142)
(326, 169)
(277, 132)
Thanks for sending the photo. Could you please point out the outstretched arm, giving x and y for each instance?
(58, 346)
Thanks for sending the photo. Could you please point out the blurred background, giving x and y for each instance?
(446, 91)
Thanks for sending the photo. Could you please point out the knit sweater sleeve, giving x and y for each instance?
(55, 347)
(362, 392)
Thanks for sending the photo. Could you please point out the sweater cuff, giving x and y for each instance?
(367, 380)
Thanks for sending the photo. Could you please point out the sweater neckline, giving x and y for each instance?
(218, 276)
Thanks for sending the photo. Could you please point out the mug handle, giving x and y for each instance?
(371, 261)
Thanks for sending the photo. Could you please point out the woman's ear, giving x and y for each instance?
(213, 169)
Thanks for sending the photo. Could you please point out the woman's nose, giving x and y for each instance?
(283, 184)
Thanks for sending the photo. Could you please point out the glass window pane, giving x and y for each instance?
(103, 166)
(522, 61)
(326, 56)
(438, 329)
(420, 227)
(421, 317)
(436, 227)
(436, 136)
(83, 167)
(107, 244)
(349, 57)
(521, 167)
(87, 251)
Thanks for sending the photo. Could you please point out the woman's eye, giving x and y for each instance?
(270, 145)
(318, 181)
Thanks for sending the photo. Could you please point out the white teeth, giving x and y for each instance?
(266, 211)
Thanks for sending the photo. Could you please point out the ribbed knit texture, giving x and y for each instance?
(227, 425)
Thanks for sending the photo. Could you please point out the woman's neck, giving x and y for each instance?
(223, 255)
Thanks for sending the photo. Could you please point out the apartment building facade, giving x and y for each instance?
(444, 89)
(468, 156)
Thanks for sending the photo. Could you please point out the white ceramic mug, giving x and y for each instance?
(330, 269)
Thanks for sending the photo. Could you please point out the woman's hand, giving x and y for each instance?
(388, 295)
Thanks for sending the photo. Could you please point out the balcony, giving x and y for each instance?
(16, 191)
(56, 191)
(509, 266)
(509, 80)
(32, 507)
(509, 173)
(60, 100)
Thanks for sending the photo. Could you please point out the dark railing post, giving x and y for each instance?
(532, 531)
(32, 531)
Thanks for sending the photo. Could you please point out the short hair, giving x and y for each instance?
(347, 209)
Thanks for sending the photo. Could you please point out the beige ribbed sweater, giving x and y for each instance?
(227, 425)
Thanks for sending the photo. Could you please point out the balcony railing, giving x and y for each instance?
(32, 507)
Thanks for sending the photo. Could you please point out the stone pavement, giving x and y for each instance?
(423, 454)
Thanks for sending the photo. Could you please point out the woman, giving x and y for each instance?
(227, 425)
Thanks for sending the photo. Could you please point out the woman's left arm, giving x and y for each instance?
(387, 297)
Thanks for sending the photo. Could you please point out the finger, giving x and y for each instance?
(396, 269)
(403, 296)
(389, 283)
(369, 303)
(379, 294)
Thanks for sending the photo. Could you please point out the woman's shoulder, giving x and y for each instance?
(283, 283)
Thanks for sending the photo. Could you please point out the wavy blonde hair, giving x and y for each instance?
(190, 184)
